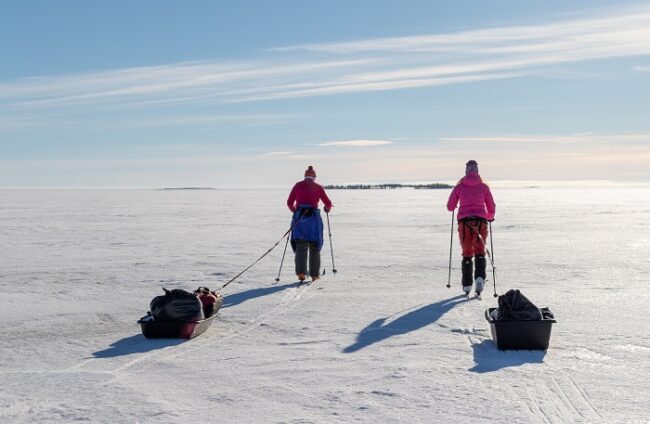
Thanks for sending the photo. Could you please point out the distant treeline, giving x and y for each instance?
(387, 186)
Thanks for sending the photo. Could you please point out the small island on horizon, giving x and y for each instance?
(389, 186)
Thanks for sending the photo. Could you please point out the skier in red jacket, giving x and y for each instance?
(477, 207)
(307, 225)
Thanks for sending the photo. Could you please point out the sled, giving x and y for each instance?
(513, 335)
(176, 329)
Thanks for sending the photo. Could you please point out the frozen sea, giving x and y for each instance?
(382, 341)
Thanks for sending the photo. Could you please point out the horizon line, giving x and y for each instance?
(502, 183)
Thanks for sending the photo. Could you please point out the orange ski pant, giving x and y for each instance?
(470, 242)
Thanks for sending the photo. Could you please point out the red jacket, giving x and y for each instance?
(308, 192)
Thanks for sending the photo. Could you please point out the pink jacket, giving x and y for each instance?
(475, 198)
(308, 192)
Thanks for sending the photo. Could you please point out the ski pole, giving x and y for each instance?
(277, 280)
(451, 242)
(494, 278)
(327, 214)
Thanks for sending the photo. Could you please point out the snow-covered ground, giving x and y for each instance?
(382, 341)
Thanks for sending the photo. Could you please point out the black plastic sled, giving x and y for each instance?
(514, 335)
(152, 329)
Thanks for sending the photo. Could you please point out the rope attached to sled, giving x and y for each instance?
(267, 252)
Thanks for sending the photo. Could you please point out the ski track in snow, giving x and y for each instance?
(382, 341)
(560, 400)
(552, 399)
(290, 300)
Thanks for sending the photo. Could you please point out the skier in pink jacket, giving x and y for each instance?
(477, 207)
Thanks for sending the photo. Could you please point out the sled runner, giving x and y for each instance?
(166, 318)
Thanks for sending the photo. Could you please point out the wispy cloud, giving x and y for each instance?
(16, 122)
(623, 30)
(342, 86)
(356, 143)
(641, 68)
(571, 139)
(276, 154)
(208, 120)
(337, 68)
(144, 82)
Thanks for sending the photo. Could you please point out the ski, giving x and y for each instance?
(469, 296)
(307, 283)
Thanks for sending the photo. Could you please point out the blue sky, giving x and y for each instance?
(247, 94)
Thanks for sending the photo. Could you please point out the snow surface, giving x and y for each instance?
(382, 341)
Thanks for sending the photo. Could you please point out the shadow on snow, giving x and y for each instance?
(376, 331)
(488, 358)
(135, 344)
(140, 344)
(243, 296)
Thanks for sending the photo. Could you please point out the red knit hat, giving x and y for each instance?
(310, 172)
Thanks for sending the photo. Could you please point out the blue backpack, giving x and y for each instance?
(307, 225)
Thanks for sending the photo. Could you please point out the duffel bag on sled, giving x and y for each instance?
(181, 314)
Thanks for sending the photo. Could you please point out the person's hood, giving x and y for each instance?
(472, 179)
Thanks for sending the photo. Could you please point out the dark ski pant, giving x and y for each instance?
(307, 251)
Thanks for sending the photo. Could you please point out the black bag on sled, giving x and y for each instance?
(179, 314)
(514, 306)
(176, 305)
(519, 324)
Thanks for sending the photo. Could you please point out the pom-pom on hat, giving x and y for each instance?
(310, 172)
(471, 166)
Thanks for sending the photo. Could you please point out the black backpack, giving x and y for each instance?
(176, 305)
